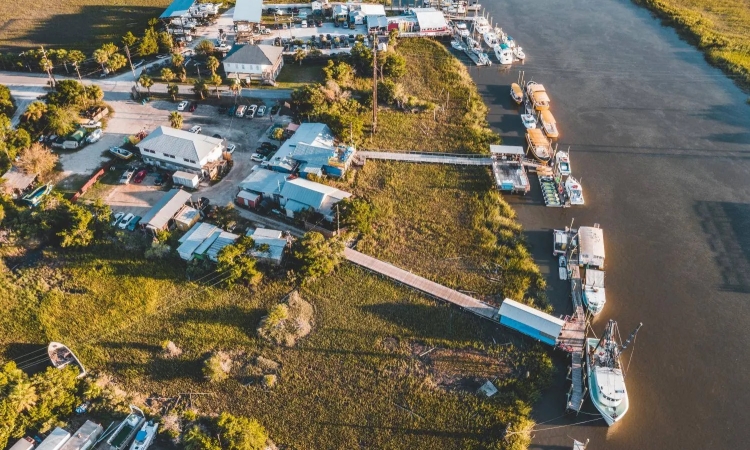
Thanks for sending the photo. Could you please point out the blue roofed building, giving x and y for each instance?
(312, 150)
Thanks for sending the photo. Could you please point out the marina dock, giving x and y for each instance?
(432, 158)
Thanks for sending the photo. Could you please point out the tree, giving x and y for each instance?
(361, 58)
(34, 112)
(393, 37)
(167, 74)
(165, 41)
(356, 213)
(146, 81)
(241, 433)
(61, 120)
(37, 160)
(56, 390)
(389, 92)
(109, 48)
(67, 93)
(60, 56)
(196, 439)
(76, 57)
(235, 86)
(94, 93)
(235, 261)
(200, 88)
(318, 256)
(75, 228)
(394, 65)
(152, 22)
(216, 81)
(116, 62)
(175, 120)
(149, 43)
(101, 57)
(278, 134)
(128, 39)
(299, 56)
(340, 72)
(181, 73)
(204, 47)
(177, 60)
(212, 63)
(173, 90)
(6, 101)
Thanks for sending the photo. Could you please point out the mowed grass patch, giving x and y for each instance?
(446, 223)
(351, 383)
(79, 24)
(294, 75)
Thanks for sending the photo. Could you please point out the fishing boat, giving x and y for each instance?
(145, 437)
(121, 152)
(481, 25)
(509, 41)
(539, 145)
(528, 120)
(457, 45)
(462, 30)
(518, 52)
(605, 374)
(516, 93)
(549, 125)
(574, 191)
(126, 429)
(34, 197)
(474, 7)
(593, 291)
(562, 161)
(490, 38)
(538, 95)
(61, 356)
(503, 54)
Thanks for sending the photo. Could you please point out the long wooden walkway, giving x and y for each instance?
(423, 285)
(432, 158)
(573, 338)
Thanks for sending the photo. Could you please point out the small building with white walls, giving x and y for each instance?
(171, 149)
(254, 62)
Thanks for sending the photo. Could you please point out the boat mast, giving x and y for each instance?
(631, 337)
(605, 336)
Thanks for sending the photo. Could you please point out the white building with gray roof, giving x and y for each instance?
(173, 149)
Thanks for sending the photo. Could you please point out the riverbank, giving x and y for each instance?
(719, 28)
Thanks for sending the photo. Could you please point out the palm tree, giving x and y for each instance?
(173, 90)
(116, 62)
(152, 22)
(299, 55)
(110, 48)
(175, 120)
(177, 60)
(235, 86)
(167, 74)
(23, 395)
(216, 81)
(101, 57)
(34, 112)
(146, 82)
(212, 63)
(199, 87)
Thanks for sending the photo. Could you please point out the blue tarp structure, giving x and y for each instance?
(177, 8)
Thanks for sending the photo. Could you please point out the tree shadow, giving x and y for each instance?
(31, 358)
(242, 319)
(727, 226)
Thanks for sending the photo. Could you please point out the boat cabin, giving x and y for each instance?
(591, 250)
(538, 95)
(549, 125)
(538, 144)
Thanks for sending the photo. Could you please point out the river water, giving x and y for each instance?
(661, 143)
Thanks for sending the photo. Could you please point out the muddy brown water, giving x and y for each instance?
(661, 143)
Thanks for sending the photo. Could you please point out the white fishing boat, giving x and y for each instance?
(503, 54)
(457, 45)
(516, 93)
(474, 7)
(538, 95)
(538, 145)
(529, 121)
(574, 191)
(462, 30)
(593, 291)
(490, 38)
(61, 356)
(509, 41)
(481, 25)
(125, 431)
(121, 152)
(562, 269)
(549, 124)
(562, 161)
(518, 52)
(605, 374)
(145, 436)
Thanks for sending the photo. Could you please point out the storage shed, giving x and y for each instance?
(591, 251)
(55, 440)
(160, 215)
(186, 218)
(186, 179)
(249, 199)
(84, 437)
(531, 322)
(269, 245)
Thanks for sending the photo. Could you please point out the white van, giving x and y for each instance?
(241, 111)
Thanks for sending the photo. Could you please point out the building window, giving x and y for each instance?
(148, 151)
(169, 156)
(189, 160)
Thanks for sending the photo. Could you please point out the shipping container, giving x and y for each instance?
(186, 179)
(249, 199)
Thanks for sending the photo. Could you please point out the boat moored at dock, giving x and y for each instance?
(562, 163)
(504, 54)
(593, 290)
(538, 145)
(516, 93)
(538, 95)
(574, 191)
(549, 125)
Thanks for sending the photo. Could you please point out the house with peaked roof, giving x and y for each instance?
(203, 241)
(312, 150)
(269, 245)
(160, 216)
(173, 149)
(254, 62)
(299, 195)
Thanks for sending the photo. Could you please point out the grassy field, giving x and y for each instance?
(720, 28)
(81, 24)
(349, 384)
(294, 75)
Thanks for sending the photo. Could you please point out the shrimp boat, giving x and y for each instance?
(562, 161)
(145, 437)
(503, 54)
(490, 38)
(593, 290)
(60, 356)
(574, 191)
(538, 95)
(516, 93)
(121, 152)
(539, 145)
(605, 373)
(127, 429)
(549, 125)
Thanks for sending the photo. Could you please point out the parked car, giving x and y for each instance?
(232, 110)
(134, 223)
(94, 136)
(125, 221)
(241, 110)
(303, 24)
(269, 146)
(159, 180)
(183, 104)
(140, 176)
(125, 178)
(195, 129)
(261, 111)
(275, 109)
(251, 111)
(257, 157)
(117, 217)
(231, 148)
(193, 106)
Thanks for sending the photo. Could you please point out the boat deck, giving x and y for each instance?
(511, 176)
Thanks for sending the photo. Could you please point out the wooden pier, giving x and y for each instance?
(422, 285)
(426, 157)
(573, 340)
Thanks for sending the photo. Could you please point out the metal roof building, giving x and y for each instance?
(15, 181)
(300, 194)
(204, 240)
(55, 440)
(431, 20)
(531, 322)
(181, 146)
(263, 181)
(177, 8)
(274, 241)
(158, 217)
(591, 252)
(312, 150)
(248, 11)
(84, 437)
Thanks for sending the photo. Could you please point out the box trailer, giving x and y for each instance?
(186, 179)
(23, 444)
(249, 199)
(55, 440)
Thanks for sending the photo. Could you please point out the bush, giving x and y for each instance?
(216, 367)
(317, 255)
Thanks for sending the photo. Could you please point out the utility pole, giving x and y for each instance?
(78, 72)
(127, 52)
(374, 83)
(48, 68)
(338, 224)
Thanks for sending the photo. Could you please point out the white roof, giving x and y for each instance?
(248, 11)
(591, 246)
(54, 440)
(182, 144)
(184, 175)
(166, 208)
(264, 181)
(187, 214)
(194, 238)
(506, 150)
(547, 324)
(275, 248)
(265, 233)
(310, 193)
(372, 10)
(431, 20)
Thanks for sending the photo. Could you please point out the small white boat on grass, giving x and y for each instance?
(61, 356)
(529, 121)
(518, 52)
(574, 190)
(121, 152)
